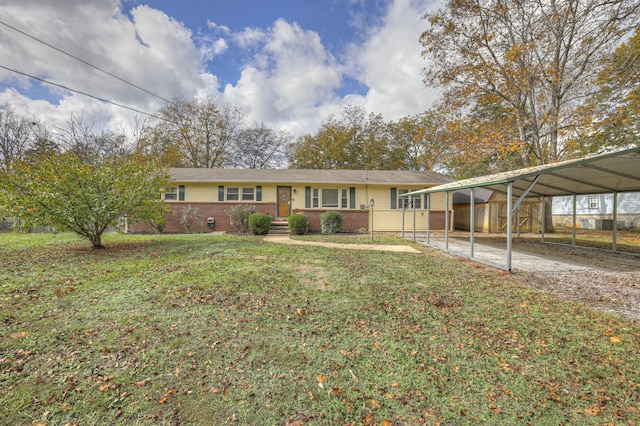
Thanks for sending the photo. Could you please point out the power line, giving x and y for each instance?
(86, 94)
(85, 62)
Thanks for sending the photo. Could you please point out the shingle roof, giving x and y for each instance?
(193, 175)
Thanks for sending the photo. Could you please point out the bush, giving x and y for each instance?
(189, 218)
(298, 224)
(260, 223)
(330, 222)
(239, 217)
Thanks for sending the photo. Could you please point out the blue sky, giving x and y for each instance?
(288, 64)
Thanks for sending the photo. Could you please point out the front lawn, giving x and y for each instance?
(215, 329)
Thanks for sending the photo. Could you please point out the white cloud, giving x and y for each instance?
(390, 63)
(291, 74)
(147, 48)
(289, 79)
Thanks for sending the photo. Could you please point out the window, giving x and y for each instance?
(233, 194)
(247, 194)
(329, 197)
(344, 199)
(405, 202)
(171, 194)
(593, 202)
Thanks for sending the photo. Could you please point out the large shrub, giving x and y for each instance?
(239, 217)
(330, 222)
(298, 224)
(260, 223)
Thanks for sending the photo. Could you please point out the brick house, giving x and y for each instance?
(283, 192)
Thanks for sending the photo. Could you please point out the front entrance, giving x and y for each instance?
(284, 201)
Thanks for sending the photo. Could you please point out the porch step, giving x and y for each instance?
(279, 227)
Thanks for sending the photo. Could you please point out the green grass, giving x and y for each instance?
(214, 329)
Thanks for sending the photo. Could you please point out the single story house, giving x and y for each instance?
(596, 211)
(363, 197)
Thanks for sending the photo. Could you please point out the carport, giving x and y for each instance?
(612, 173)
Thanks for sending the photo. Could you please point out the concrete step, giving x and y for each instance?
(279, 228)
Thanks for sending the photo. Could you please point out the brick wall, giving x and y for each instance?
(218, 211)
(352, 220)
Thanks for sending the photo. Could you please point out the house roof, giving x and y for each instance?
(372, 177)
(605, 173)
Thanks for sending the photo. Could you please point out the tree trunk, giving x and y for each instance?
(548, 215)
(96, 240)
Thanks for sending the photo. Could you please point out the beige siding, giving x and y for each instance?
(385, 218)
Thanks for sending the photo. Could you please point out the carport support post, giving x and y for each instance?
(573, 237)
(615, 221)
(472, 220)
(413, 202)
(543, 214)
(509, 224)
(428, 201)
(446, 221)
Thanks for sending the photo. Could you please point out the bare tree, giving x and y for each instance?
(17, 136)
(259, 147)
(193, 133)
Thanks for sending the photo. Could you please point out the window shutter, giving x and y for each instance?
(221, 193)
(307, 197)
(181, 193)
(259, 193)
(394, 198)
(352, 197)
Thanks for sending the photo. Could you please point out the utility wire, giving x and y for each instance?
(87, 94)
(85, 62)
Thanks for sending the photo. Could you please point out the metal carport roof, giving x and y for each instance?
(604, 173)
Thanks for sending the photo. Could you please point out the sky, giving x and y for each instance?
(288, 64)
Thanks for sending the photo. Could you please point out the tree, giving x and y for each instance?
(90, 143)
(191, 133)
(259, 147)
(86, 197)
(415, 142)
(483, 141)
(537, 58)
(16, 136)
(355, 141)
(614, 110)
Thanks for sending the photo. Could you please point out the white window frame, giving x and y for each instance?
(405, 202)
(344, 198)
(230, 195)
(318, 200)
(248, 193)
(594, 202)
(171, 194)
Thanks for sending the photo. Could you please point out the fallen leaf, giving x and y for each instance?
(594, 411)
(615, 339)
(20, 335)
(51, 399)
(118, 413)
(386, 422)
(321, 378)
